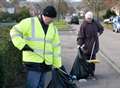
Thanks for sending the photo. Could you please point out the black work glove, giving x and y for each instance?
(27, 48)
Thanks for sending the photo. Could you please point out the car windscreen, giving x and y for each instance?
(118, 19)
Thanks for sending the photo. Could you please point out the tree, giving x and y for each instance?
(13, 1)
(109, 13)
(61, 6)
(24, 13)
(94, 5)
(110, 3)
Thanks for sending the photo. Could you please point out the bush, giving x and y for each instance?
(6, 17)
(61, 24)
(108, 14)
(1, 73)
(10, 61)
(24, 13)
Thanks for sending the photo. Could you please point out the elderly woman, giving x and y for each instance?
(87, 36)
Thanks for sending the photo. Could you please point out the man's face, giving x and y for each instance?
(47, 20)
(88, 19)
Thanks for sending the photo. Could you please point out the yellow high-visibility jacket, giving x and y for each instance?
(46, 47)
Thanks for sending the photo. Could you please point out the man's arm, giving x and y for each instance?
(100, 28)
(57, 62)
(81, 35)
(16, 34)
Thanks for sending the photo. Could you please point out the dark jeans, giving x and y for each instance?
(35, 79)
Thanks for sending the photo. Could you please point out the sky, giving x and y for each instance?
(40, 0)
(76, 0)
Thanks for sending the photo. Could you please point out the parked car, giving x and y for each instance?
(116, 24)
(74, 20)
(109, 20)
(68, 19)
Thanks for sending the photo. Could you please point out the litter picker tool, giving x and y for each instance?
(95, 60)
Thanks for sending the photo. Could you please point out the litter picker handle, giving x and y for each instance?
(92, 50)
(58, 68)
(63, 71)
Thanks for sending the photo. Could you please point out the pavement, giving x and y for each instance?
(110, 48)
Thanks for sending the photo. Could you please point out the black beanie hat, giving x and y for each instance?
(50, 11)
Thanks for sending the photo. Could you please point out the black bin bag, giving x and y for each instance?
(60, 79)
(80, 68)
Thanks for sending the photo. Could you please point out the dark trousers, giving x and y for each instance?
(91, 65)
(35, 79)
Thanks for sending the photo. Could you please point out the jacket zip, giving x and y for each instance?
(44, 47)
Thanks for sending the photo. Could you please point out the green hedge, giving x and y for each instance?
(108, 14)
(10, 61)
(61, 24)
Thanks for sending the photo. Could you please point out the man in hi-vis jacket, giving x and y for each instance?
(39, 41)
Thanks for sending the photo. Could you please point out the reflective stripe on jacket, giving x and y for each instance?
(46, 47)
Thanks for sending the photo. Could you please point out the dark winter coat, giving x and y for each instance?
(88, 34)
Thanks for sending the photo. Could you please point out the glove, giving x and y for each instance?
(27, 48)
(78, 46)
(82, 48)
(98, 34)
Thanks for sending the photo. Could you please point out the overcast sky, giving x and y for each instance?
(40, 0)
(76, 0)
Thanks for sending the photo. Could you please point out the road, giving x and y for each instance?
(107, 77)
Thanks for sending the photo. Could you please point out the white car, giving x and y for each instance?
(68, 19)
(109, 20)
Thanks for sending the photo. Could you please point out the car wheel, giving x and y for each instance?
(116, 30)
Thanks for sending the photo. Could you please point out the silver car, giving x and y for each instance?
(116, 24)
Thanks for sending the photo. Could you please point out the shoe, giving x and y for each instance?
(91, 77)
(82, 80)
(74, 77)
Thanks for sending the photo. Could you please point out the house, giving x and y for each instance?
(10, 8)
(114, 5)
(116, 9)
(6, 7)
